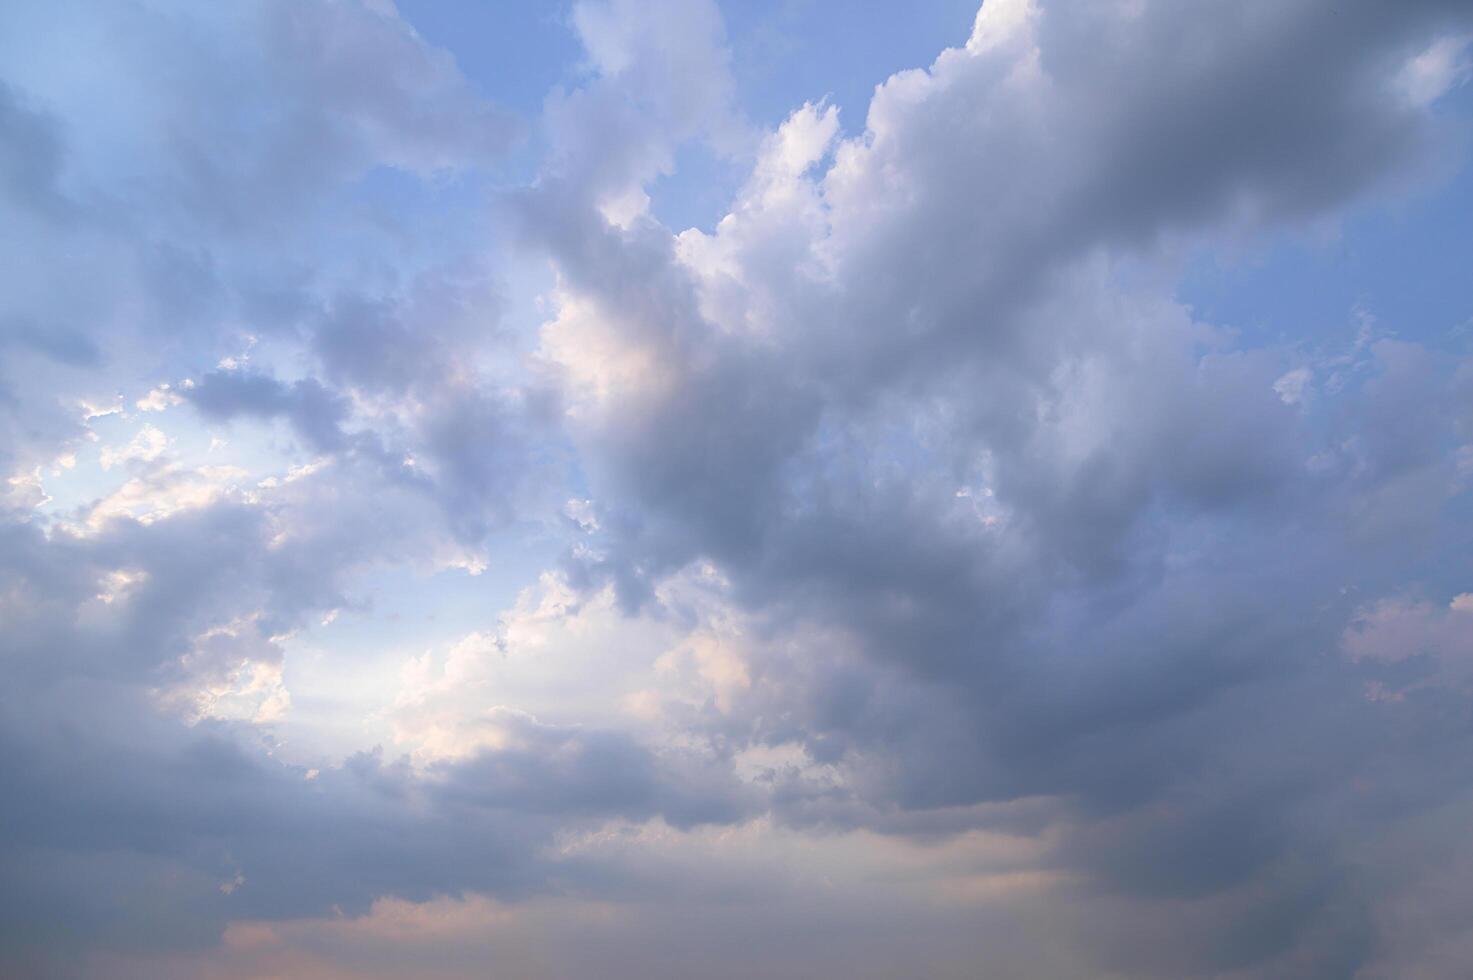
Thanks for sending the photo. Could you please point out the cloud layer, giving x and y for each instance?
(906, 579)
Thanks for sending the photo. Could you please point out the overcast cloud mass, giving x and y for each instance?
(797, 489)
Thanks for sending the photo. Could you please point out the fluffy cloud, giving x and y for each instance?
(925, 559)
(890, 328)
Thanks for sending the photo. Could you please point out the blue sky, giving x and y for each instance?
(786, 489)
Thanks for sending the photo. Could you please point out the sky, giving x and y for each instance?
(788, 489)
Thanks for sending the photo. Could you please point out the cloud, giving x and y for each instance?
(314, 411)
(935, 586)
(811, 395)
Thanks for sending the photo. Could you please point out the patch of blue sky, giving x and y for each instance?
(809, 50)
(1399, 264)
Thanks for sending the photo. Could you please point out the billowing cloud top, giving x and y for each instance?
(1021, 528)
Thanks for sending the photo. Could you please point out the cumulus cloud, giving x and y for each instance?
(942, 311)
(920, 581)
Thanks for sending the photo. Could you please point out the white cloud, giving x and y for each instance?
(158, 399)
(1292, 385)
(147, 445)
(166, 491)
(1438, 69)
